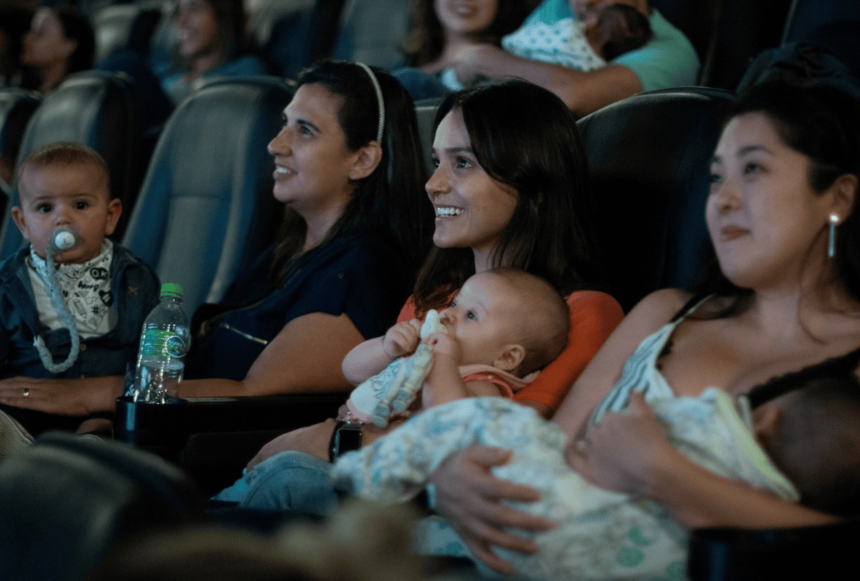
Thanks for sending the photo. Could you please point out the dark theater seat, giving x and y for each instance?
(206, 206)
(66, 501)
(649, 156)
(819, 552)
(95, 108)
(16, 108)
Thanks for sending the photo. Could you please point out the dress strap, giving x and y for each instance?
(690, 306)
(841, 366)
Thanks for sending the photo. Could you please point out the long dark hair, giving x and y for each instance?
(823, 123)
(392, 198)
(76, 27)
(426, 38)
(525, 137)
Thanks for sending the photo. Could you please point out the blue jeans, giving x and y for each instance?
(286, 481)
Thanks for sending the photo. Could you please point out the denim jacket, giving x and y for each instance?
(135, 290)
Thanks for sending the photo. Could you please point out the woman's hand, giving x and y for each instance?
(468, 495)
(69, 397)
(402, 339)
(620, 452)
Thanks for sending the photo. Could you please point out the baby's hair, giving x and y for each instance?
(63, 153)
(622, 29)
(544, 319)
(816, 443)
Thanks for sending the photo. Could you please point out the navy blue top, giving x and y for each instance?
(362, 275)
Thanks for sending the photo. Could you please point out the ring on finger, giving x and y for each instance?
(26, 392)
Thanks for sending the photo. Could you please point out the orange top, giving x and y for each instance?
(593, 317)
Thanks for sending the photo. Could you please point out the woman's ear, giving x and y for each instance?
(367, 159)
(511, 357)
(844, 196)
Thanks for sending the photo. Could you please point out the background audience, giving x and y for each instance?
(60, 42)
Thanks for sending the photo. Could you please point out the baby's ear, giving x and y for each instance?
(511, 357)
(765, 421)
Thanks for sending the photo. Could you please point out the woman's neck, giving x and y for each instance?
(483, 260)
(52, 76)
(320, 224)
(785, 314)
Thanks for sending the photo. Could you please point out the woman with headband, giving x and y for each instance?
(356, 227)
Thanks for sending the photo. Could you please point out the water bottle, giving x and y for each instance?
(164, 342)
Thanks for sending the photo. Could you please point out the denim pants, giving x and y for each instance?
(286, 481)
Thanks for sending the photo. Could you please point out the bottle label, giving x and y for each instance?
(159, 343)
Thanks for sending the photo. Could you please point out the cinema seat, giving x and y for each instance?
(206, 207)
(16, 108)
(67, 500)
(95, 108)
(649, 156)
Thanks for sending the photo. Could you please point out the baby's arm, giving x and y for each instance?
(444, 382)
(374, 355)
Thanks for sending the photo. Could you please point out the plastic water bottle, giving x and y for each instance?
(164, 342)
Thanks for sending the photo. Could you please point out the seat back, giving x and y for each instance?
(123, 26)
(741, 31)
(369, 31)
(67, 500)
(806, 16)
(425, 111)
(206, 206)
(95, 108)
(696, 20)
(284, 30)
(16, 108)
(649, 157)
(816, 552)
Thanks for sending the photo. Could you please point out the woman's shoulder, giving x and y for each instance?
(659, 307)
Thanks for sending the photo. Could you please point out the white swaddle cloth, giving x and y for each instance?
(392, 390)
(600, 534)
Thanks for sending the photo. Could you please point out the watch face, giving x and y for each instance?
(347, 439)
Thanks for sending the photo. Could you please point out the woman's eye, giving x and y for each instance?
(463, 163)
(751, 168)
(435, 162)
(305, 130)
(716, 178)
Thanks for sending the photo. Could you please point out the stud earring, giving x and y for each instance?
(831, 236)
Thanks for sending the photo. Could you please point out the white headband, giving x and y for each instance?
(378, 100)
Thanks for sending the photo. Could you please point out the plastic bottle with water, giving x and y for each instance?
(164, 342)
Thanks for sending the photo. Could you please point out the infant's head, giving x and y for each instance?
(813, 435)
(66, 184)
(617, 29)
(508, 319)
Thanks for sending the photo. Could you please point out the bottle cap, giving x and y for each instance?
(171, 289)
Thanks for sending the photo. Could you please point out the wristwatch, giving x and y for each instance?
(347, 436)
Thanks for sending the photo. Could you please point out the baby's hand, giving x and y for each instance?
(444, 344)
(402, 339)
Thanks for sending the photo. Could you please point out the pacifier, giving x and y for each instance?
(63, 239)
